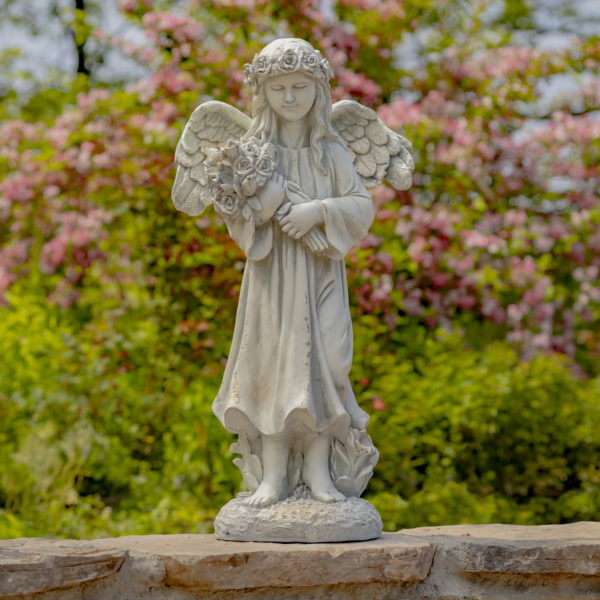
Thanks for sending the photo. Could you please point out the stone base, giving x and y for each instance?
(298, 519)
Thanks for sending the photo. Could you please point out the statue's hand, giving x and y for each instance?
(271, 196)
(301, 219)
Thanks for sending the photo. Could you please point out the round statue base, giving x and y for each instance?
(298, 519)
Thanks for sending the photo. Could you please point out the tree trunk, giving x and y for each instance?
(80, 47)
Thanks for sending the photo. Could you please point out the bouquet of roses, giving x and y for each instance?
(236, 171)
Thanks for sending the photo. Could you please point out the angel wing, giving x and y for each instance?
(378, 152)
(211, 124)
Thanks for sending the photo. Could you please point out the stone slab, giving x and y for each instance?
(466, 562)
(30, 565)
(202, 561)
(582, 530)
(546, 549)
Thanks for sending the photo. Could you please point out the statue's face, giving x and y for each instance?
(291, 95)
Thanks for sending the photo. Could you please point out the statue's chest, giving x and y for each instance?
(297, 166)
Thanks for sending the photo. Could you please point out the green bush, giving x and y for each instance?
(92, 447)
(480, 436)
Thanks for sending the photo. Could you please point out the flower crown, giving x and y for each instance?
(305, 60)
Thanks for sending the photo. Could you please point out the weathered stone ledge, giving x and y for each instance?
(492, 562)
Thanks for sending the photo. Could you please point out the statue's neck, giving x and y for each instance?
(293, 134)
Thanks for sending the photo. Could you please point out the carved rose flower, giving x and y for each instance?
(227, 204)
(265, 165)
(275, 70)
(244, 165)
(250, 77)
(230, 149)
(250, 147)
(289, 60)
(214, 175)
(326, 68)
(249, 185)
(310, 61)
(261, 64)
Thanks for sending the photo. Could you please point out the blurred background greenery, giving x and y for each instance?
(475, 299)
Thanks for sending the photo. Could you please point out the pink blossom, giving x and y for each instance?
(6, 279)
(466, 301)
(389, 9)
(412, 305)
(378, 404)
(491, 308)
(247, 4)
(514, 218)
(493, 63)
(578, 253)
(102, 161)
(400, 112)
(16, 188)
(386, 261)
(134, 5)
(383, 288)
(358, 84)
(391, 321)
(181, 28)
(440, 279)
(361, 4)
(461, 264)
(476, 239)
(516, 312)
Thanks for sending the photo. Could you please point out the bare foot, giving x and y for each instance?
(315, 472)
(265, 495)
(327, 494)
(275, 452)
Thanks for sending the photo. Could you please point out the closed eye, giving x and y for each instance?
(299, 86)
(276, 88)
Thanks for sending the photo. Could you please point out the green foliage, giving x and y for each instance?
(108, 431)
(44, 104)
(90, 445)
(482, 436)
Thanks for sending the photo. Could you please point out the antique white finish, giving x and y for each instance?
(290, 186)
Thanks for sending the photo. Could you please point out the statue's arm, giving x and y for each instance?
(255, 235)
(255, 240)
(348, 215)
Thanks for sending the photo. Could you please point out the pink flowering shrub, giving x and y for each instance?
(505, 223)
(498, 241)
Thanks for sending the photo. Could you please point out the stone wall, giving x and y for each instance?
(492, 562)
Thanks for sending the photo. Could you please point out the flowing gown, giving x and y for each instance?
(291, 351)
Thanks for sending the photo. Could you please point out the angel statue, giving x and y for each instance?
(290, 185)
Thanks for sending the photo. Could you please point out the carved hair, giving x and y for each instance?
(290, 55)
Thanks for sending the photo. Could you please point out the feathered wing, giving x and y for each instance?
(211, 124)
(378, 152)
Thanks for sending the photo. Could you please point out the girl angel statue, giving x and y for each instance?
(290, 186)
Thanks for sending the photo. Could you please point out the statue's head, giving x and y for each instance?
(285, 56)
(291, 63)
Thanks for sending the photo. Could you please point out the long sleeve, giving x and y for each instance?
(348, 216)
(255, 241)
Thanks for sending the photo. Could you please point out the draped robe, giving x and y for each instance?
(291, 351)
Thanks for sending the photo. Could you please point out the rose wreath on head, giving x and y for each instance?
(303, 60)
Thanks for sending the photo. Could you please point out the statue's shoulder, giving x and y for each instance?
(337, 151)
